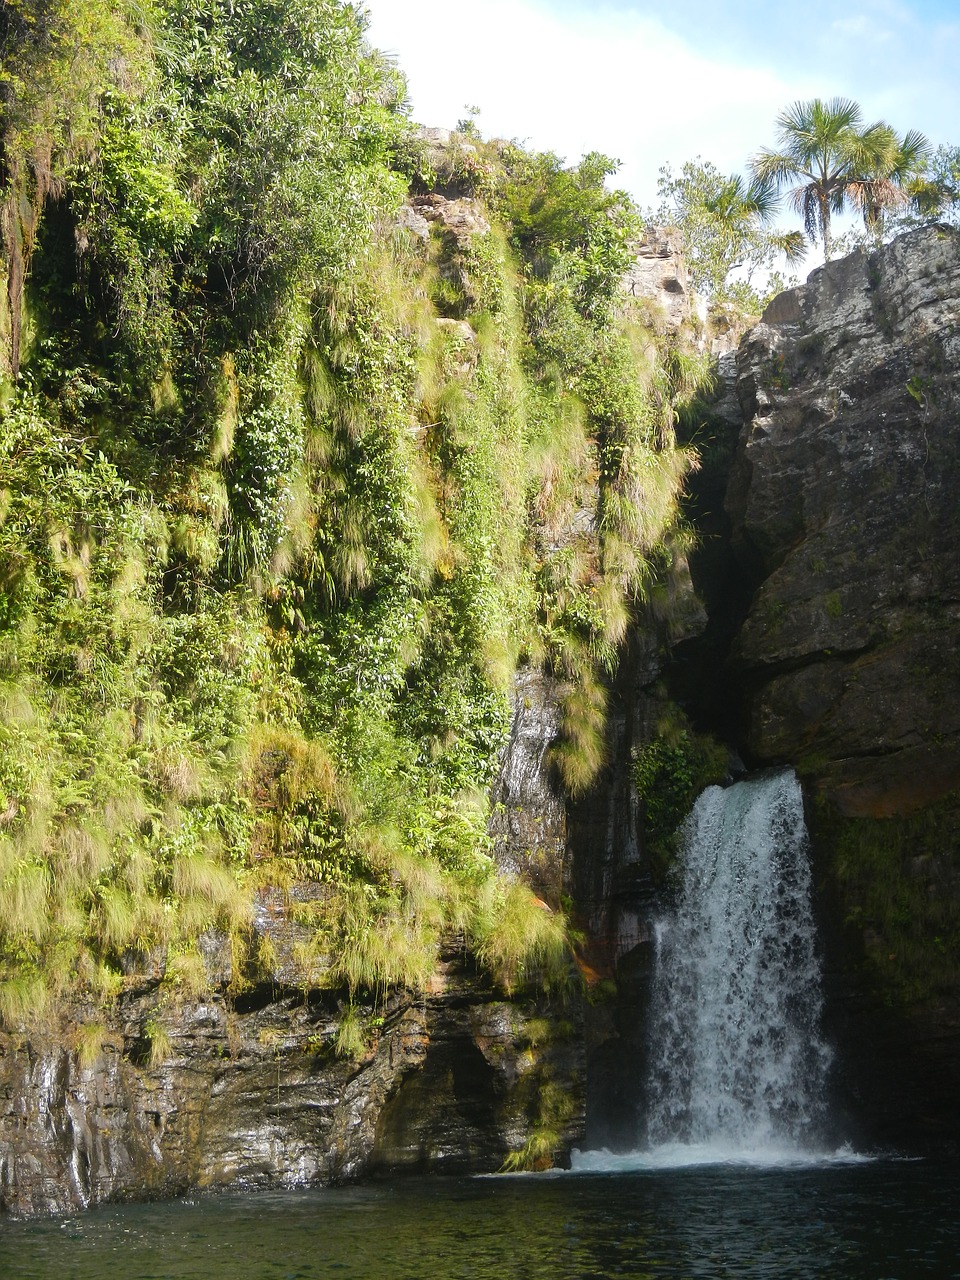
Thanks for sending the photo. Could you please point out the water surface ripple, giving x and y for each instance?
(882, 1221)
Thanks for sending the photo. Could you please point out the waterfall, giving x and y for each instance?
(737, 1064)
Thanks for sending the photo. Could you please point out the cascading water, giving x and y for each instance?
(737, 1065)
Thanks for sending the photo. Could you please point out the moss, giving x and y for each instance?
(553, 1110)
(898, 882)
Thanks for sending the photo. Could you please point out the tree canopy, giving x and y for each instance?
(833, 160)
(729, 236)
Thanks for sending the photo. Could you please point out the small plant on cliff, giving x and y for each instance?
(554, 1110)
(519, 938)
(669, 772)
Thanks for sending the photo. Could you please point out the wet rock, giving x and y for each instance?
(248, 1089)
(529, 817)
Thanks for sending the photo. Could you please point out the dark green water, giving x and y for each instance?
(883, 1221)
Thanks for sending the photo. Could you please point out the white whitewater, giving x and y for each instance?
(737, 1064)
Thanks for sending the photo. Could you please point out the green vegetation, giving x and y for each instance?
(550, 1104)
(935, 191)
(727, 233)
(555, 1109)
(932, 195)
(287, 491)
(896, 879)
(835, 160)
(669, 772)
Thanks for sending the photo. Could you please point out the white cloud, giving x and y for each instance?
(619, 83)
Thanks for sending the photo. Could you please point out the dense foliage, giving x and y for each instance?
(731, 245)
(290, 482)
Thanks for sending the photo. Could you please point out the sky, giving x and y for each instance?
(650, 84)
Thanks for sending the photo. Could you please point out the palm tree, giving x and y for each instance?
(896, 177)
(740, 210)
(836, 160)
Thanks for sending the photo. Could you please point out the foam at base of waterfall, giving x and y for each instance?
(680, 1155)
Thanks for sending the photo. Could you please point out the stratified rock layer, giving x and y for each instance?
(249, 1090)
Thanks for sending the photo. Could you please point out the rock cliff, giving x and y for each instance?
(833, 633)
(828, 564)
(250, 1090)
(832, 581)
(843, 502)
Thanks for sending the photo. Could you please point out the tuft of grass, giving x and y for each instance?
(119, 920)
(79, 856)
(518, 938)
(226, 401)
(88, 1041)
(351, 1038)
(285, 769)
(177, 773)
(186, 973)
(24, 901)
(25, 1000)
(555, 1108)
(379, 941)
(160, 1045)
(581, 751)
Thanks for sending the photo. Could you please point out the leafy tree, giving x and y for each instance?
(835, 161)
(565, 222)
(726, 227)
(935, 192)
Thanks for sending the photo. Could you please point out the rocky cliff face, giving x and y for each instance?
(843, 501)
(838, 617)
(829, 566)
(529, 819)
(832, 579)
(249, 1089)
(659, 275)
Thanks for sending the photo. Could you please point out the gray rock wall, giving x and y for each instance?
(843, 506)
(250, 1091)
(843, 501)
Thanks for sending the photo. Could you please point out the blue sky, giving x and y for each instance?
(651, 83)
